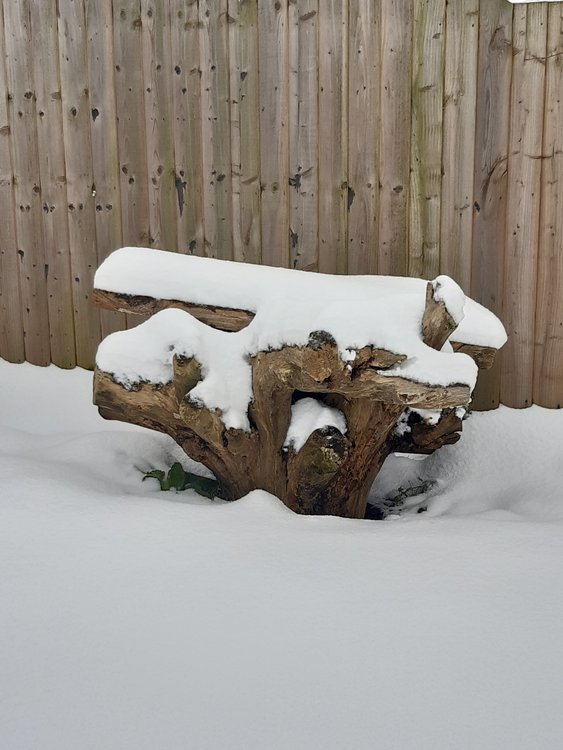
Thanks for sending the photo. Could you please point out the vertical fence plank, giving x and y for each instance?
(25, 156)
(245, 129)
(216, 146)
(11, 329)
(490, 181)
(426, 137)
(458, 149)
(80, 178)
(333, 128)
(523, 211)
(103, 134)
(129, 94)
(548, 360)
(157, 78)
(394, 140)
(187, 132)
(363, 136)
(303, 135)
(274, 156)
(52, 171)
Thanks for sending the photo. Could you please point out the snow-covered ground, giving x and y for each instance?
(132, 619)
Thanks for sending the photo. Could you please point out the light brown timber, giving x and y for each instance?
(157, 81)
(333, 127)
(216, 145)
(11, 328)
(274, 127)
(79, 175)
(394, 136)
(523, 210)
(25, 165)
(303, 135)
(131, 130)
(364, 67)
(490, 173)
(187, 128)
(548, 359)
(426, 137)
(103, 137)
(245, 130)
(52, 173)
(458, 140)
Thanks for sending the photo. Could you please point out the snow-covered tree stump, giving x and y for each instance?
(286, 381)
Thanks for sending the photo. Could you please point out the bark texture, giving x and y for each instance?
(332, 472)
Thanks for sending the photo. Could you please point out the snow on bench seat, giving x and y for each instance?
(233, 348)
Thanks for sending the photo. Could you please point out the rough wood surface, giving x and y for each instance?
(129, 94)
(458, 142)
(274, 131)
(437, 323)
(11, 328)
(157, 81)
(25, 165)
(396, 41)
(79, 176)
(187, 130)
(303, 135)
(484, 356)
(103, 136)
(363, 149)
(523, 208)
(216, 147)
(332, 473)
(491, 172)
(245, 130)
(52, 173)
(223, 318)
(548, 359)
(333, 125)
(426, 138)
(423, 437)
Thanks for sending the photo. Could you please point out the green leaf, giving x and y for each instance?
(177, 477)
(203, 485)
(155, 474)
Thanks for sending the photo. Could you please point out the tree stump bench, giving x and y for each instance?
(297, 383)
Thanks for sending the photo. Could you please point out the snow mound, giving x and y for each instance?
(308, 415)
(137, 619)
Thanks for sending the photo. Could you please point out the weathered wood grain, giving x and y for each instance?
(395, 135)
(187, 131)
(523, 210)
(216, 145)
(130, 103)
(52, 172)
(333, 127)
(303, 135)
(458, 141)
(426, 138)
(548, 359)
(25, 165)
(364, 67)
(157, 80)
(274, 131)
(245, 130)
(222, 318)
(11, 328)
(103, 136)
(490, 172)
(79, 175)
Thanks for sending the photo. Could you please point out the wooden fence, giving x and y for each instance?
(348, 136)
